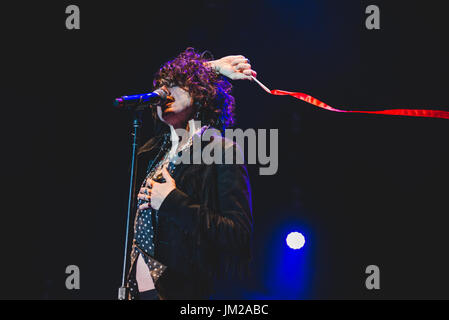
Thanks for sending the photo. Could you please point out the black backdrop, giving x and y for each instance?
(364, 189)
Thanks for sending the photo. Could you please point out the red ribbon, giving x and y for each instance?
(394, 112)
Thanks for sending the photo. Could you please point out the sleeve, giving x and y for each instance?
(228, 227)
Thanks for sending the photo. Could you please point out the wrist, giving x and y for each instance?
(214, 66)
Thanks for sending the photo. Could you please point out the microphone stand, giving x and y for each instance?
(137, 122)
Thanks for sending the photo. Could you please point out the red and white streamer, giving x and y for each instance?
(392, 112)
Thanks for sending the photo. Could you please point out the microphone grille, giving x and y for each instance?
(161, 93)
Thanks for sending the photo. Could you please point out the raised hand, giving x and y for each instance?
(234, 67)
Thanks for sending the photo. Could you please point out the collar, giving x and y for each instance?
(194, 128)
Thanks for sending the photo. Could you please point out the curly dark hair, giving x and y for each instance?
(209, 90)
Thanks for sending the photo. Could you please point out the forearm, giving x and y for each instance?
(214, 65)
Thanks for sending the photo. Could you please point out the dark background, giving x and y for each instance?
(363, 189)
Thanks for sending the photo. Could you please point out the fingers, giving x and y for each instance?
(243, 66)
(240, 59)
(250, 73)
(240, 76)
(150, 183)
(145, 190)
(166, 174)
(144, 197)
(237, 56)
(145, 206)
(144, 194)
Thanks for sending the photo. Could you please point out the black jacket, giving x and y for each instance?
(204, 226)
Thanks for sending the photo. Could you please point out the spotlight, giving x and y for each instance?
(295, 240)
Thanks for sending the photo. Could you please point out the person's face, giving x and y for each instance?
(178, 110)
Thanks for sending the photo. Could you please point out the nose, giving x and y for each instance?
(166, 90)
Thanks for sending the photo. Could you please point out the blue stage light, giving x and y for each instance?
(295, 240)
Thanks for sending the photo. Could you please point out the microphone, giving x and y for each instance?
(139, 101)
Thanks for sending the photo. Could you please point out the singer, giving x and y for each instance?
(193, 223)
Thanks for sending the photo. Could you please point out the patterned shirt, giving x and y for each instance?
(147, 220)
